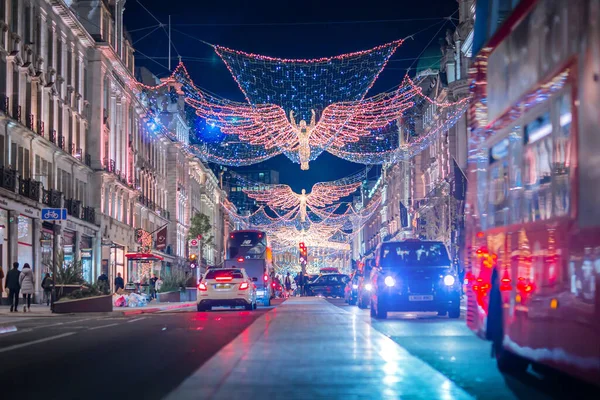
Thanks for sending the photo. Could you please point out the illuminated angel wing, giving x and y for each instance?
(275, 196)
(324, 194)
(347, 122)
(264, 125)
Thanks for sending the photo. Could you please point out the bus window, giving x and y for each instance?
(537, 169)
(516, 175)
(498, 184)
(562, 150)
(482, 182)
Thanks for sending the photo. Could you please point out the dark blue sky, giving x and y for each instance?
(306, 29)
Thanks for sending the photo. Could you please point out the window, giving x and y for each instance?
(537, 169)
(2, 139)
(498, 184)
(516, 174)
(50, 38)
(59, 55)
(15, 16)
(562, 159)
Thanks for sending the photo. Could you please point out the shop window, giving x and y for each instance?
(537, 169)
(25, 241)
(482, 184)
(562, 160)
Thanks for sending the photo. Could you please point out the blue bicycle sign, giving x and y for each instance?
(54, 214)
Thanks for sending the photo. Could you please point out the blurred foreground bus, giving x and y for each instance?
(249, 249)
(533, 213)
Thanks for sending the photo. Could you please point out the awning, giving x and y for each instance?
(143, 256)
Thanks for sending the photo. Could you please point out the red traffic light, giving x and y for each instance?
(240, 259)
(302, 245)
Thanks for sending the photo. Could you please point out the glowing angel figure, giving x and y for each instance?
(303, 132)
(267, 125)
(283, 197)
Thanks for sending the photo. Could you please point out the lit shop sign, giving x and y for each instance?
(542, 41)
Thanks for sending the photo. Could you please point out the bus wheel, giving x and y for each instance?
(507, 361)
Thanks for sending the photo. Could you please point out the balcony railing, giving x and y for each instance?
(4, 105)
(53, 136)
(73, 207)
(52, 198)
(40, 128)
(30, 121)
(61, 141)
(88, 214)
(30, 188)
(8, 178)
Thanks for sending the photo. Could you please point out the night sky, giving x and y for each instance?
(306, 29)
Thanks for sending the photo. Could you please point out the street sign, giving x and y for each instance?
(54, 214)
(193, 242)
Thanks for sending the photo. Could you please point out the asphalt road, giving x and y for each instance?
(101, 357)
(451, 348)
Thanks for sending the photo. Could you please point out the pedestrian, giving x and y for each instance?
(119, 282)
(288, 285)
(13, 286)
(159, 283)
(47, 284)
(300, 284)
(27, 286)
(1, 279)
(153, 286)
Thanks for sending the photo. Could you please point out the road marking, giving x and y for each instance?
(102, 326)
(18, 346)
(14, 332)
(137, 319)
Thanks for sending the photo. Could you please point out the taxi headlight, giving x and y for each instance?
(389, 281)
(355, 286)
(449, 280)
(368, 287)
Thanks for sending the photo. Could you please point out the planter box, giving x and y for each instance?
(89, 304)
(169, 297)
(65, 290)
(190, 294)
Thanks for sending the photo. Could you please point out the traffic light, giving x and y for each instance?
(303, 254)
(193, 261)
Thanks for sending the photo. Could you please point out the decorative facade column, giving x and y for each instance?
(37, 259)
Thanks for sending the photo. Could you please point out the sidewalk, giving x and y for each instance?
(308, 348)
(38, 310)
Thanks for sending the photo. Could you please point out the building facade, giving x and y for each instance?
(423, 197)
(45, 156)
(75, 134)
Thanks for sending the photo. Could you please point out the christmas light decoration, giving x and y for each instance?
(282, 196)
(303, 85)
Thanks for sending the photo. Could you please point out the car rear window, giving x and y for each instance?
(220, 273)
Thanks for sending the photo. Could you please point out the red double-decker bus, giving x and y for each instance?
(533, 204)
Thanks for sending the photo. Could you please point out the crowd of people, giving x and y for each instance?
(287, 286)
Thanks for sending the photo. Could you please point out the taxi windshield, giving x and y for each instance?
(414, 254)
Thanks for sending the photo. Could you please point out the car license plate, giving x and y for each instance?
(420, 298)
(222, 286)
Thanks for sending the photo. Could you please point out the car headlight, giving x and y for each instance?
(449, 280)
(389, 281)
(355, 286)
(368, 287)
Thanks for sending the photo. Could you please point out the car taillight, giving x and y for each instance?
(202, 287)
(266, 278)
(244, 286)
(273, 284)
(224, 278)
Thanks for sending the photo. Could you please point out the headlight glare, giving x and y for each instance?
(389, 281)
(368, 287)
(449, 280)
(355, 286)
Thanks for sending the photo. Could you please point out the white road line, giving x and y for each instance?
(18, 346)
(80, 320)
(16, 331)
(137, 319)
(103, 326)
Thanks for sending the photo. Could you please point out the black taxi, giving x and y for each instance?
(414, 275)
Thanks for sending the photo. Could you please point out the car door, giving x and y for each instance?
(319, 286)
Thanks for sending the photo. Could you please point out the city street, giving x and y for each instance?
(323, 347)
(452, 349)
(100, 357)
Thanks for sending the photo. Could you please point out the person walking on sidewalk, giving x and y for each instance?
(153, 286)
(47, 286)
(27, 286)
(288, 285)
(119, 282)
(13, 286)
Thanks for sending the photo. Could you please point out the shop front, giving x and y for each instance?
(25, 241)
(3, 245)
(86, 255)
(46, 243)
(68, 246)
